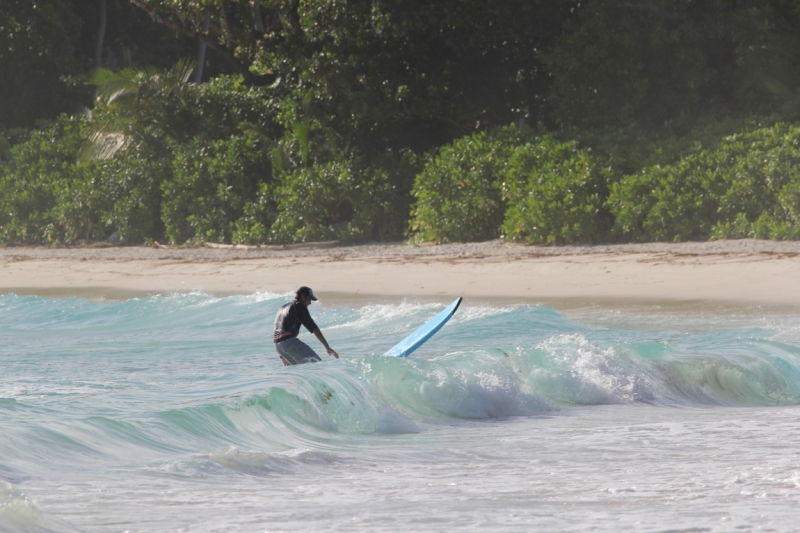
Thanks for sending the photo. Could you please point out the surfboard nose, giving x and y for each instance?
(425, 332)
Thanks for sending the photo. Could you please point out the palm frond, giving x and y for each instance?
(113, 86)
(132, 97)
(106, 141)
(100, 76)
(182, 70)
(126, 84)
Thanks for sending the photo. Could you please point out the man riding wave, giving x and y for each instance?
(290, 317)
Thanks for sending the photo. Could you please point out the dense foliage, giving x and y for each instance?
(747, 186)
(212, 189)
(513, 183)
(556, 194)
(537, 121)
(458, 193)
(37, 47)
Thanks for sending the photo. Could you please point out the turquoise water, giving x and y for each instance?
(173, 413)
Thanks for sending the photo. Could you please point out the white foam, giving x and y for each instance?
(478, 393)
(470, 313)
(370, 315)
(260, 463)
(266, 296)
(18, 514)
(587, 374)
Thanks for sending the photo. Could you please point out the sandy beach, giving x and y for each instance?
(738, 271)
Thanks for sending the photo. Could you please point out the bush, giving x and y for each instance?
(41, 172)
(458, 192)
(556, 193)
(48, 196)
(185, 145)
(334, 200)
(744, 187)
(216, 109)
(219, 190)
(132, 185)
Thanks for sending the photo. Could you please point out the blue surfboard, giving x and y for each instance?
(418, 338)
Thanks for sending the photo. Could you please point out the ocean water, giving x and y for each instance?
(173, 413)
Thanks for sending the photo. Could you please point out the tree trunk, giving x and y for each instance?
(201, 53)
(223, 24)
(101, 35)
(258, 21)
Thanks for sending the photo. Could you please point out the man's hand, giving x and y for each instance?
(321, 339)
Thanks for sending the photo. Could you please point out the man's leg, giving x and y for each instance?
(295, 352)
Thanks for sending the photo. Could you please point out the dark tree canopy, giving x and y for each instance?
(654, 62)
(38, 45)
(539, 120)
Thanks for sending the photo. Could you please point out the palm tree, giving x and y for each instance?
(133, 105)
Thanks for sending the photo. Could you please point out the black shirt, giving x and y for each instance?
(289, 319)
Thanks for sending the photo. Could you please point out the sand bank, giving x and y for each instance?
(741, 271)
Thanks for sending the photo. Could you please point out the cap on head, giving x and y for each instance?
(305, 291)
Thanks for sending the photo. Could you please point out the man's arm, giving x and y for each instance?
(321, 339)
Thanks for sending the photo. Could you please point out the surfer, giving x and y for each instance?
(290, 317)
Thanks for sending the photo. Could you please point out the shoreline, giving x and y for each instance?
(740, 272)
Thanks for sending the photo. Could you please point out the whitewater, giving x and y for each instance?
(173, 413)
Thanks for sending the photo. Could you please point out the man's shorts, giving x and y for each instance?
(296, 352)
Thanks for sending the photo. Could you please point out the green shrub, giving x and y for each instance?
(48, 196)
(628, 149)
(334, 200)
(216, 108)
(184, 145)
(555, 193)
(217, 191)
(785, 223)
(458, 192)
(326, 189)
(258, 214)
(38, 174)
(78, 213)
(741, 188)
(132, 185)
